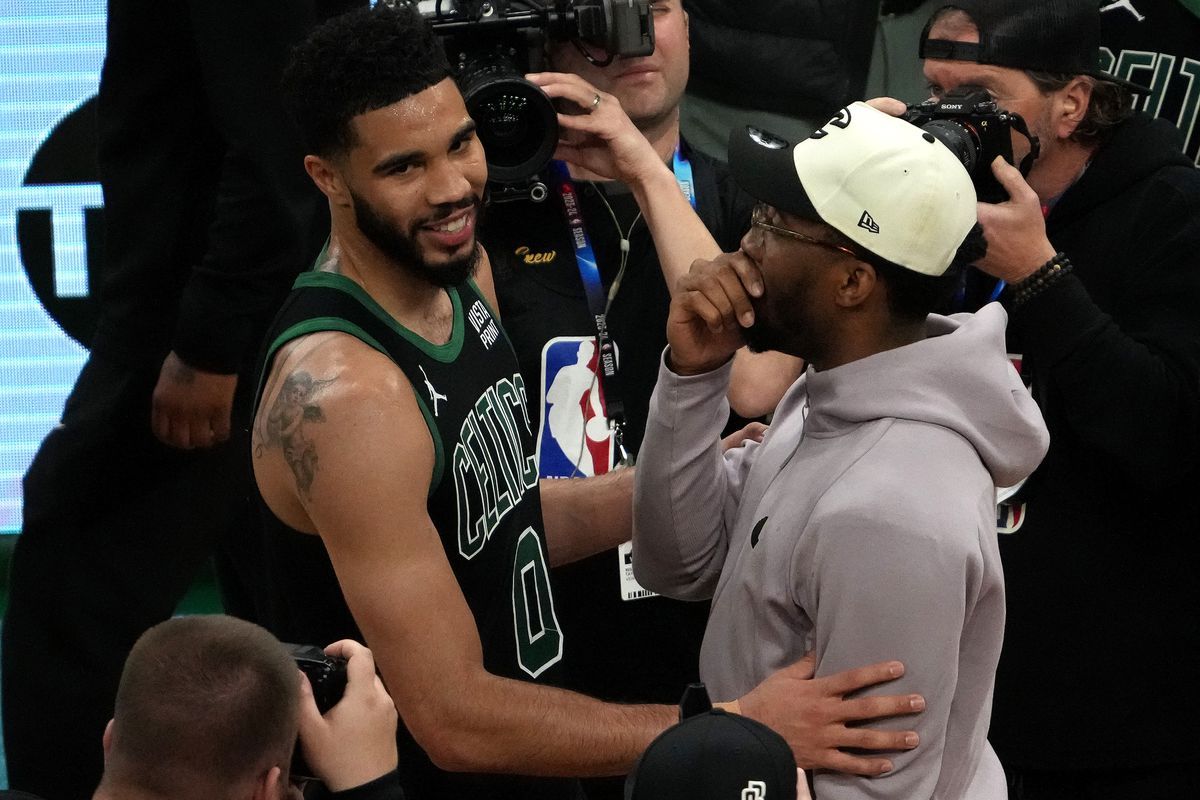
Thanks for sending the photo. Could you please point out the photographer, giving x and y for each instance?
(629, 645)
(209, 707)
(1097, 250)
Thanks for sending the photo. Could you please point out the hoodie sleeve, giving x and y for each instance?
(897, 585)
(686, 489)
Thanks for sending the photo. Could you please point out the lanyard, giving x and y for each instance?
(593, 288)
(683, 176)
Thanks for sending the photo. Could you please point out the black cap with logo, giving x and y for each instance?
(1061, 36)
(715, 755)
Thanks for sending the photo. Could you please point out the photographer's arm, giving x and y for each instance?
(605, 142)
(1127, 373)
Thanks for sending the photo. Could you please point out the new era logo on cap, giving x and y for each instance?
(920, 198)
(868, 222)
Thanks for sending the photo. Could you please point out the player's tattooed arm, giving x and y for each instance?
(296, 407)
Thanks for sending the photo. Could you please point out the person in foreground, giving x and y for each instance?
(864, 523)
(1098, 249)
(394, 457)
(209, 707)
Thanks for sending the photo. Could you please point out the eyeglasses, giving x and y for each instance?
(762, 212)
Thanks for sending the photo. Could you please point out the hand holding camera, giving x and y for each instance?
(602, 143)
(347, 738)
(492, 44)
(970, 123)
(980, 133)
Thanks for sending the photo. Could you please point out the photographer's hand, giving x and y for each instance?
(888, 105)
(709, 309)
(601, 142)
(1015, 229)
(355, 742)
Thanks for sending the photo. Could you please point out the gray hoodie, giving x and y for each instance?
(863, 528)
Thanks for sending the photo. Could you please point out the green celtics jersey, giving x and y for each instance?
(483, 499)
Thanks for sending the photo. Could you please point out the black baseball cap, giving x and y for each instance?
(1041, 35)
(712, 756)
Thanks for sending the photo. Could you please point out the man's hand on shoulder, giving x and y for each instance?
(191, 408)
(709, 310)
(821, 722)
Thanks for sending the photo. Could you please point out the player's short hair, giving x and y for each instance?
(204, 701)
(358, 62)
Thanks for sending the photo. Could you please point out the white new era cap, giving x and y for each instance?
(891, 187)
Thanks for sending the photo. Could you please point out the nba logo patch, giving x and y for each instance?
(1009, 517)
(574, 440)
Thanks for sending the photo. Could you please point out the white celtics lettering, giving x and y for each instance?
(491, 469)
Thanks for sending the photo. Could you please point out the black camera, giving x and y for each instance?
(327, 676)
(968, 121)
(492, 44)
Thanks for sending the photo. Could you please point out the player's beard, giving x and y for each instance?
(402, 248)
(763, 335)
(789, 332)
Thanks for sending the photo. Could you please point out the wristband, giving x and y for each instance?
(1046, 276)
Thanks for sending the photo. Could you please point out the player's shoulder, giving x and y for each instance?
(347, 374)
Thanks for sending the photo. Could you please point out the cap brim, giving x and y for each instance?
(764, 166)
(1100, 75)
(950, 50)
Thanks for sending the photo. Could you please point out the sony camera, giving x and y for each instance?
(968, 121)
(492, 44)
(327, 676)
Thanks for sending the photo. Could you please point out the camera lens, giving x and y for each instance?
(516, 122)
(962, 140)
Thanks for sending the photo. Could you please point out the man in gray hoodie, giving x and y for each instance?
(863, 526)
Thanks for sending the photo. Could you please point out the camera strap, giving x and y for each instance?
(593, 288)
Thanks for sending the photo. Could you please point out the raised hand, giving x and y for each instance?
(709, 311)
(1015, 229)
(600, 142)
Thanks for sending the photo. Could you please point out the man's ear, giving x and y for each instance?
(858, 281)
(328, 178)
(269, 786)
(107, 739)
(1071, 105)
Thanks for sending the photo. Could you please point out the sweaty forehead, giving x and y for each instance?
(436, 107)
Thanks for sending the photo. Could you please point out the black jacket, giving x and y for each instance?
(1098, 668)
(804, 58)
